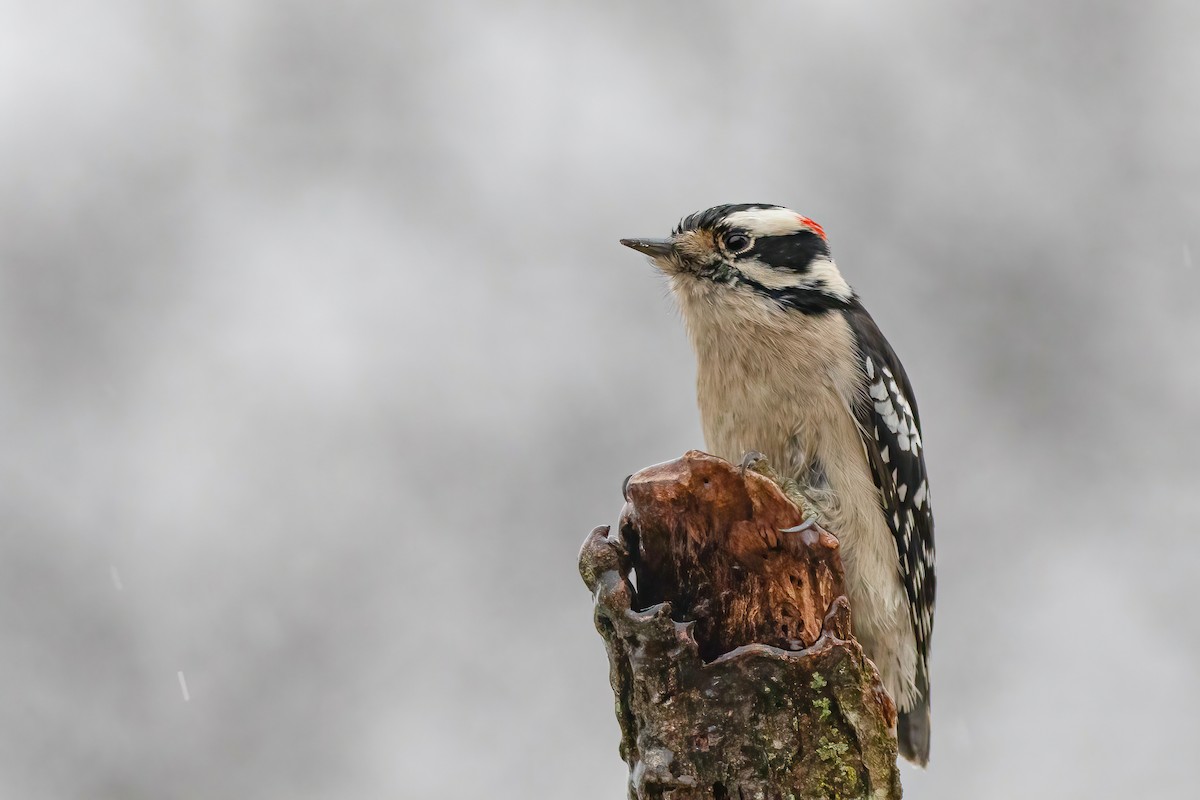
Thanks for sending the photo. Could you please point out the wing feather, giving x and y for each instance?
(891, 431)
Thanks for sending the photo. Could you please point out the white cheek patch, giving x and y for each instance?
(772, 278)
(822, 276)
(767, 221)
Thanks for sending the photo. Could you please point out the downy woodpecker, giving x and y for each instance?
(793, 366)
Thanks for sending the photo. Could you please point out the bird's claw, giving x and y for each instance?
(751, 460)
(807, 525)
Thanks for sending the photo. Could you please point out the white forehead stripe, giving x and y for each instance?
(767, 221)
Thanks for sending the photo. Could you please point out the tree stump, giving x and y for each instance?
(732, 661)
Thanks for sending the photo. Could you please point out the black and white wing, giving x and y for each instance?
(891, 430)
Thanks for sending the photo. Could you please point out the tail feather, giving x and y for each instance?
(912, 730)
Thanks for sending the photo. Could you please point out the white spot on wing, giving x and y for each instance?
(888, 413)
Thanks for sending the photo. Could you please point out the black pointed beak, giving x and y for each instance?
(655, 248)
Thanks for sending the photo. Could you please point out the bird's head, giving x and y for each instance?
(759, 252)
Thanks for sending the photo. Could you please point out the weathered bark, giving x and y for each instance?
(733, 665)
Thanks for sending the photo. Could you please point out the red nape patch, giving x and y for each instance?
(808, 223)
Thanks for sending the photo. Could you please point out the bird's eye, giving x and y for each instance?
(737, 242)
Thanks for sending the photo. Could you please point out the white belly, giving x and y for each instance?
(794, 408)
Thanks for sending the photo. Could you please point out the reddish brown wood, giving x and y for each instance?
(709, 538)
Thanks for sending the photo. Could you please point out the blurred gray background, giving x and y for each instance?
(319, 358)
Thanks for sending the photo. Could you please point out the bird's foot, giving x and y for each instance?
(753, 460)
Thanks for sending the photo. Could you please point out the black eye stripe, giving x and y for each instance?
(793, 252)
